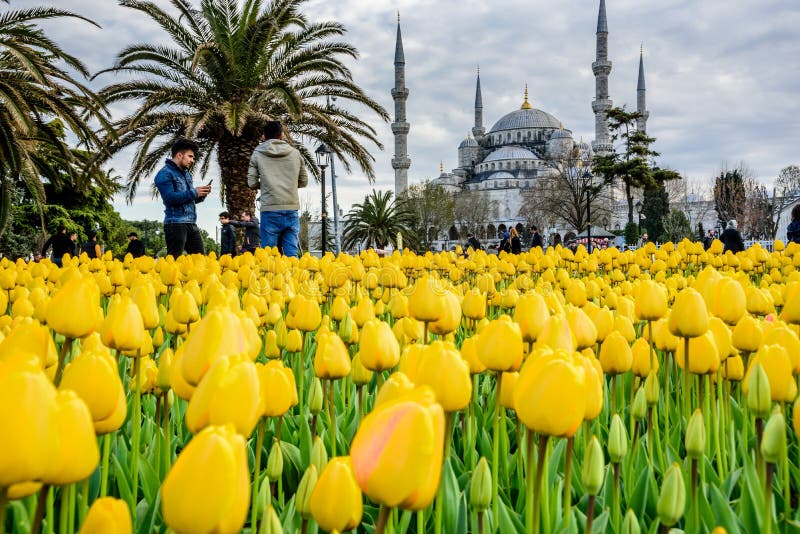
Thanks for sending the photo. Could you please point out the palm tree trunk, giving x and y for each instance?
(233, 156)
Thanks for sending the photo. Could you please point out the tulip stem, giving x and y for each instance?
(62, 358)
(421, 520)
(44, 499)
(768, 498)
(257, 475)
(496, 447)
(686, 375)
(568, 479)
(332, 414)
(590, 514)
(3, 507)
(104, 464)
(136, 434)
(695, 504)
(759, 436)
(383, 517)
(537, 490)
(84, 507)
(167, 435)
(63, 515)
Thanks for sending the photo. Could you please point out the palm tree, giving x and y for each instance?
(377, 221)
(234, 66)
(35, 90)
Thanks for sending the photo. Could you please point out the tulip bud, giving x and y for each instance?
(270, 523)
(696, 436)
(107, 515)
(630, 525)
(302, 501)
(294, 341)
(617, 440)
(346, 328)
(593, 467)
(316, 397)
(758, 396)
(773, 442)
(319, 455)
(652, 389)
(672, 499)
(480, 488)
(639, 408)
(275, 462)
(164, 368)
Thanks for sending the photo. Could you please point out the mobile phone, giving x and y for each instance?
(211, 182)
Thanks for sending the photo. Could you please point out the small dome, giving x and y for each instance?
(510, 152)
(468, 142)
(561, 134)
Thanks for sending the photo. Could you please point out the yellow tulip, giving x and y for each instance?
(500, 344)
(576, 293)
(94, 377)
(144, 296)
(594, 387)
(747, 334)
(123, 328)
(208, 487)
(378, 347)
(331, 359)
(29, 415)
(397, 451)
(441, 367)
(339, 308)
(778, 367)
(398, 306)
(641, 358)
(733, 368)
(624, 326)
(507, 385)
(551, 379)
(107, 516)
(474, 305)
(450, 318)
(336, 502)
(582, 327)
(426, 300)
(469, 351)
(360, 374)
(651, 301)
(729, 301)
(30, 337)
(277, 388)
(703, 354)
(228, 394)
(179, 385)
(531, 313)
(616, 356)
(308, 315)
(76, 453)
(73, 310)
(184, 307)
(759, 302)
(603, 320)
(689, 317)
(396, 386)
(786, 338)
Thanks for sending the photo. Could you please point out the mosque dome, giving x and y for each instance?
(561, 133)
(468, 142)
(510, 153)
(526, 117)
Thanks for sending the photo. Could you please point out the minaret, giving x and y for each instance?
(641, 106)
(602, 103)
(400, 162)
(478, 130)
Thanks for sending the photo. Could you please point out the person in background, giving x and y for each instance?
(536, 238)
(92, 246)
(227, 240)
(708, 239)
(516, 242)
(473, 242)
(505, 243)
(61, 244)
(731, 238)
(135, 246)
(793, 230)
(252, 232)
(174, 183)
(277, 168)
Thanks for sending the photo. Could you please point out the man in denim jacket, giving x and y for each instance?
(179, 195)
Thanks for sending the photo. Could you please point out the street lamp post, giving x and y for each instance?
(588, 181)
(323, 159)
(336, 237)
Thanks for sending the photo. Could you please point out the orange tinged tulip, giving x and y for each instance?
(397, 451)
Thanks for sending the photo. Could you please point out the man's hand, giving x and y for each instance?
(203, 191)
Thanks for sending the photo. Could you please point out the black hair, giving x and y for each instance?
(225, 214)
(534, 229)
(247, 212)
(796, 212)
(183, 145)
(61, 228)
(92, 236)
(133, 234)
(273, 130)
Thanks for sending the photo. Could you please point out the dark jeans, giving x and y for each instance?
(280, 229)
(183, 236)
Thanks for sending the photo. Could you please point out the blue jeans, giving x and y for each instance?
(280, 229)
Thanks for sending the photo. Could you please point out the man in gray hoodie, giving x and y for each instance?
(278, 169)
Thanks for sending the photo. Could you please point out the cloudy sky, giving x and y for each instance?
(721, 76)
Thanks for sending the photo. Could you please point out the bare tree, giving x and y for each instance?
(563, 195)
(473, 208)
(730, 195)
(433, 208)
(692, 197)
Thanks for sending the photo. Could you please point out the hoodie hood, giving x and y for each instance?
(275, 148)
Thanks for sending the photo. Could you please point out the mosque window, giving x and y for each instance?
(492, 166)
(528, 135)
(508, 137)
(519, 136)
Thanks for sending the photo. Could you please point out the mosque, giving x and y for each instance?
(518, 149)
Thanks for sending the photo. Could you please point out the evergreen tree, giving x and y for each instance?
(655, 207)
(729, 195)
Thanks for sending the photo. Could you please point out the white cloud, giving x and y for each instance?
(720, 77)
